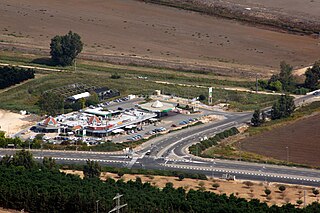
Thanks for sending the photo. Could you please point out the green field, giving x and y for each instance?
(25, 95)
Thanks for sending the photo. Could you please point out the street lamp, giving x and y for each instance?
(287, 148)
(97, 201)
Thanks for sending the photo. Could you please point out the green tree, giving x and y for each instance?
(276, 85)
(215, 186)
(285, 76)
(267, 192)
(282, 188)
(202, 97)
(181, 176)
(256, 118)
(312, 76)
(93, 99)
(6, 160)
(23, 158)
(283, 108)
(51, 103)
(92, 169)
(315, 192)
(299, 202)
(64, 49)
(49, 163)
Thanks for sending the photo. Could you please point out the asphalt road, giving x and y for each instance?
(169, 152)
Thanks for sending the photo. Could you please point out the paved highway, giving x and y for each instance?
(170, 152)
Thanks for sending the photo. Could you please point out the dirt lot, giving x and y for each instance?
(13, 122)
(238, 188)
(146, 31)
(301, 138)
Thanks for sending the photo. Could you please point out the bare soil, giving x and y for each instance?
(138, 33)
(301, 137)
(238, 188)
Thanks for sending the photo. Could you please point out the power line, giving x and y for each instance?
(118, 205)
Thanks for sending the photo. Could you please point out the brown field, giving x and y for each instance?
(136, 30)
(301, 137)
(293, 7)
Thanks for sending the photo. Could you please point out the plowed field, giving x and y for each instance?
(139, 30)
(302, 139)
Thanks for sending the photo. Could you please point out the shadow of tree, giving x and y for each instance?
(44, 61)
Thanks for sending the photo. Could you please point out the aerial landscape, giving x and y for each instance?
(159, 106)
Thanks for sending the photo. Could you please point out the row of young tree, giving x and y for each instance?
(285, 81)
(35, 187)
(13, 75)
(198, 148)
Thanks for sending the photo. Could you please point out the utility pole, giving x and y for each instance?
(257, 83)
(287, 154)
(118, 206)
(75, 65)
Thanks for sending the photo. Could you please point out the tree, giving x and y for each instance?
(276, 85)
(299, 202)
(256, 119)
(6, 160)
(282, 188)
(51, 103)
(312, 76)
(215, 186)
(64, 49)
(315, 192)
(202, 186)
(23, 158)
(92, 169)
(283, 108)
(93, 99)
(120, 174)
(181, 177)
(267, 192)
(202, 97)
(285, 76)
(49, 163)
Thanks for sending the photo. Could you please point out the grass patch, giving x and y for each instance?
(25, 97)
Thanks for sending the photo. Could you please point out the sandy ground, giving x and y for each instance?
(9, 211)
(238, 188)
(135, 29)
(12, 123)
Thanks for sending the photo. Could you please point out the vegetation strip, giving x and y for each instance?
(54, 191)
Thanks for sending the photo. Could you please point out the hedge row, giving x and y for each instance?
(198, 148)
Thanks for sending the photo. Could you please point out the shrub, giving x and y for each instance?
(282, 188)
(181, 177)
(267, 192)
(215, 186)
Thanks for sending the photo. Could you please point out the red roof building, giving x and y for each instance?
(94, 120)
(50, 121)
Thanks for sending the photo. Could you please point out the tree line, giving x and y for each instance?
(285, 81)
(13, 75)
(198, 148)
(41, 187)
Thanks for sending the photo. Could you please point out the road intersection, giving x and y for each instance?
(170, 152)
